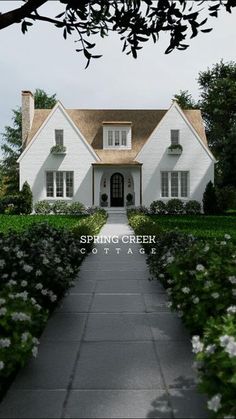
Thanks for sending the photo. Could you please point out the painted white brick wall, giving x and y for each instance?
(38, 160)
(193, 159)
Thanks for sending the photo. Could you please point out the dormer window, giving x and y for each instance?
(174, 136)
(59, 137)
(117, 135)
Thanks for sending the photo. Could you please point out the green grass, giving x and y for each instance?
(202, 226)
(21, 222)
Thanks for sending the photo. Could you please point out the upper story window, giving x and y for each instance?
(174, 136)
(117, 136)
(59, 137)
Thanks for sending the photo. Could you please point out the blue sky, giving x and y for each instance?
(42, 58)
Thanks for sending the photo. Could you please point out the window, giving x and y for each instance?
(59, 184)
(49, 183)
(184, 184)
(117, 138)
(59, 137)
(174, 135)
(123, 138)
(164, 184)
(69, 184)
(110, 138)
(174, 184)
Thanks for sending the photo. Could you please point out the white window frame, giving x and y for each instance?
(117, 137)
(64, 184)
(174, 139)
(170, 186)
(60, 138)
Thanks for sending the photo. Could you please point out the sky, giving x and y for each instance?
(43, 59)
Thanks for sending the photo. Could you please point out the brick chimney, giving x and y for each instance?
(27, 108)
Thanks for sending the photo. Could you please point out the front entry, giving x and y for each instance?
(117, 190)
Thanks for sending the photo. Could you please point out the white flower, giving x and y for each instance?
(2, 301)
(186, 290)
(39, 286)
(57, 260)
(22, 317)
(206, 248)
(38, 272)
(200, 268)
(24, 283)
(38, 307)
(234, 292)
(214, 403)
(215, 295)
(231, 348)
(4, 276)
(196, 300)
(210, 349)
(225, 340)
(27, 268)
(231, 310)
(223, 243)
(2, 263)
(3, 311)
(170, 259)
(208, 284)
(169, 304)
(197, 344)
(25, 336)
(6, 249)
(180, 313)
(44, 292)
(35, 351)
(161, 276)
(35, 341)
(232, 279)
(5, 343)
(20, 254)
(23, 295)
(1, 365)
(45, 261)
(227, 237)
(59, 269)
(33, 301)
(53, 298)
(11, 283)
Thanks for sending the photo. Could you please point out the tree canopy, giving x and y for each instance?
(12, 143)
(136, 21)
(217, 87)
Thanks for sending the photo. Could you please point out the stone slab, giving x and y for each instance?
(117, 303)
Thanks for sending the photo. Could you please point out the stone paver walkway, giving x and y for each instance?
(111, 350)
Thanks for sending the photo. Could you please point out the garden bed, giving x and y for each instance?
(37, 265)
(199, 274)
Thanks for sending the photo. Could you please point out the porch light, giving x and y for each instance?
(129, 183)
(104, 183)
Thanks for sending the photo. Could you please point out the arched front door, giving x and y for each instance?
(117, 190)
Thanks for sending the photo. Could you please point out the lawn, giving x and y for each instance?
(21, 222)
(201, 226)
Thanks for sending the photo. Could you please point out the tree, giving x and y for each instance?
(185, 100)
(26, 199)
(12, 142)
(218, 105)
(210, 206)
(136, 21)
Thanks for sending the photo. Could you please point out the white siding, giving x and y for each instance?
(38, 159)
(193, 159)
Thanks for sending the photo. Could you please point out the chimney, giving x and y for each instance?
(27, 109)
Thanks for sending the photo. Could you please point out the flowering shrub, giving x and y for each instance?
(216, 363)
(175, 206)
(192, 207)
(21, 320)
(42, 207)
(60, 207)
(202, 282)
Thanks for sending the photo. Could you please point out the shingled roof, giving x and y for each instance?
(90, 123)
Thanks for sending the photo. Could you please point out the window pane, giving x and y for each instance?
(49, 183)
(174, 184)
(110, 138)
(123, 138)
(69, 184)
(117, 138)
(184, 184)
(164, 184)
(59, 136)
(174, 133)
(59, 184)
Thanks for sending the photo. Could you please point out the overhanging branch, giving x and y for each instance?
(16, 15)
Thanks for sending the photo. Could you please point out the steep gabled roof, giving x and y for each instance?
(90, 123)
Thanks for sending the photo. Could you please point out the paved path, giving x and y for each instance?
(111, 350)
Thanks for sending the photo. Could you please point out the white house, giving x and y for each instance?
(148, 154)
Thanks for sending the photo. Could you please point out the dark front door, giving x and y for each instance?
(117, 190)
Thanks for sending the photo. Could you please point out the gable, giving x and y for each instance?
(89, 122)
